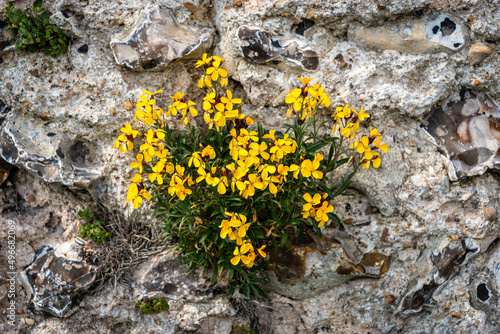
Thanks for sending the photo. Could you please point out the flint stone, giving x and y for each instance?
(436, 33)
(51, 156)
(257, 46)
(156, 40)
(484, 288)
(54, 283)
(165, 276)
(467, 129)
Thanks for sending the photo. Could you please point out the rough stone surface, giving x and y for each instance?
(411, 209)
(164, 276)
(435, 33)
(54, 282)
(156, 39)
(316, 265)
(467, 128)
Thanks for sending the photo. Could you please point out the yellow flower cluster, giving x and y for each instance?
(317, 207)
(257, 165)
(305, 100)
(236, 228)
(347, 123)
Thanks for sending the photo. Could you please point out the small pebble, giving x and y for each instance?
(34, 72)
(477, 53)
(412, 143)
(83, 49)
(29, 322)
(490, 214)
(128, 105)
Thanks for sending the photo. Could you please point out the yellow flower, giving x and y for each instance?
(195, 159)
(149, 93)
(294, 97)
(145, 103)
(361, 146)
(305, 81)
(208, 152)
(137, 178)
(157, 171)
(378, 144)
(361, 115)
(136, 196)
(370, 156)
(342, 113)
(322, 213)
(178, 189)
(256, 149)
(261, 251)
(223, 82)
(311, 203)
(215, 69)
(204, 61)
(138, 163)
(228, 101)
(239, 254)
(311, 168)
(205, 81)
(208, 101)
(127, 129)
(123, 143)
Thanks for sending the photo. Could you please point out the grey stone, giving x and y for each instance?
(381, 185)
(156, 39)
(316, 265)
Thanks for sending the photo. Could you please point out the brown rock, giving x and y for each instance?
(237, 3)
(476, 82)
(385, 234)
(128, 105)
(389, 298)
(34, 72)
(189, 6)
(412, 143)
(490, 214)
(477, 53)
(28, 105)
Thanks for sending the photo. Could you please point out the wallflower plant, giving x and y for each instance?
(231, 191)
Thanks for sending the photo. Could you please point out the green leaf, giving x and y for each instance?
(37, 4)
(313, 147)
(23, 31)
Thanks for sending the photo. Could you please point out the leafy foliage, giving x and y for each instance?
(33, 31)
(151, 306)
(94, 228)
(227, 192)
